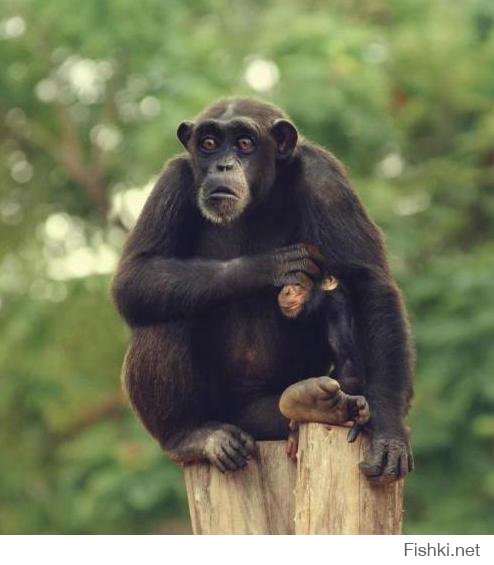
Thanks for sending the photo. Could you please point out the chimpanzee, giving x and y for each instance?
(322, 399)
(330, 301)
(252, 206)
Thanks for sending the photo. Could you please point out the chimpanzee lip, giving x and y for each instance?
(223, 192)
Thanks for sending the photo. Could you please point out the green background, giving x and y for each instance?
(90, 95)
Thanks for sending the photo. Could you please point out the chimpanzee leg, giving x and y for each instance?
(173, 403)
(262, 419)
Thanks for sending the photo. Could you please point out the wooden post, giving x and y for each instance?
(324, 493)
(331, 494)
(256, 500)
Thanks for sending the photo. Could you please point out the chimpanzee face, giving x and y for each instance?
(234, 164)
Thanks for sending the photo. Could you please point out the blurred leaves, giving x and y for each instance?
(90, 95)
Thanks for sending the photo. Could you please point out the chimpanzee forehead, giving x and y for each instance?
(235, 125)
(263, 113)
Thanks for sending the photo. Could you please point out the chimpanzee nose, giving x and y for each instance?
(224, 166)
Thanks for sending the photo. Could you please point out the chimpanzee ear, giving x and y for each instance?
(184, 132)
(285, 135)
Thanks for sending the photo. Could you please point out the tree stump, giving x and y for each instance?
(323, 493)
(255, 500)
(331, 494)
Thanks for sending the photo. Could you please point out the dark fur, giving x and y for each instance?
(334, 310)
(209, 345)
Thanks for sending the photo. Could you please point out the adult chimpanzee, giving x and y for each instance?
(249, 208)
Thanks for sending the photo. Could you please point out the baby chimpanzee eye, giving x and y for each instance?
(208, 144)
(245, 144)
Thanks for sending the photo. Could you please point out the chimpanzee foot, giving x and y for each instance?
(320, 399)
(229, 448)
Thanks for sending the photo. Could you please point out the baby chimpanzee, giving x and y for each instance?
(334, 405)
(331, 301)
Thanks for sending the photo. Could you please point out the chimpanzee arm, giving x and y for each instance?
(157, 279)
(343, 340)
(336, 221)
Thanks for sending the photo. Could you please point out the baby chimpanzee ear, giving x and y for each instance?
(285, 135)
(184, 132)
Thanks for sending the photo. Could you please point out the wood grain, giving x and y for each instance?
(324, 493)
(256, 500)
(332, 496)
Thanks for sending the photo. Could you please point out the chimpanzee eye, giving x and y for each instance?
(208, 144)
(245, 144)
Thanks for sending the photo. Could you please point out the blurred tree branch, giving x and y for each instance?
(109, 409)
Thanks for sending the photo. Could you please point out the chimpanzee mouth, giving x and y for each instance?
(223, 192)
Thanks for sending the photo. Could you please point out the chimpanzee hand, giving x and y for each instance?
(390, 456)
(292, 264)
(229, 448)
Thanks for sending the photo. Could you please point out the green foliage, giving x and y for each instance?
(90, 95)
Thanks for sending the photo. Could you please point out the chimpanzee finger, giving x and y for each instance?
(239, 447)
(294, 275)
(238, 459)
(374, 461)
(383, 479)
(293, 426)
(305, 250)
(411, 462)
(371, 470)
(316, 255)
(292, 441)
(403, 469)
(392, 468)
(227, 462)
(293, 252)
(294, 249)
(216, 461)
(292, 447)
(354, 432)
(305, 266)
(360, 411)
(248, 442)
